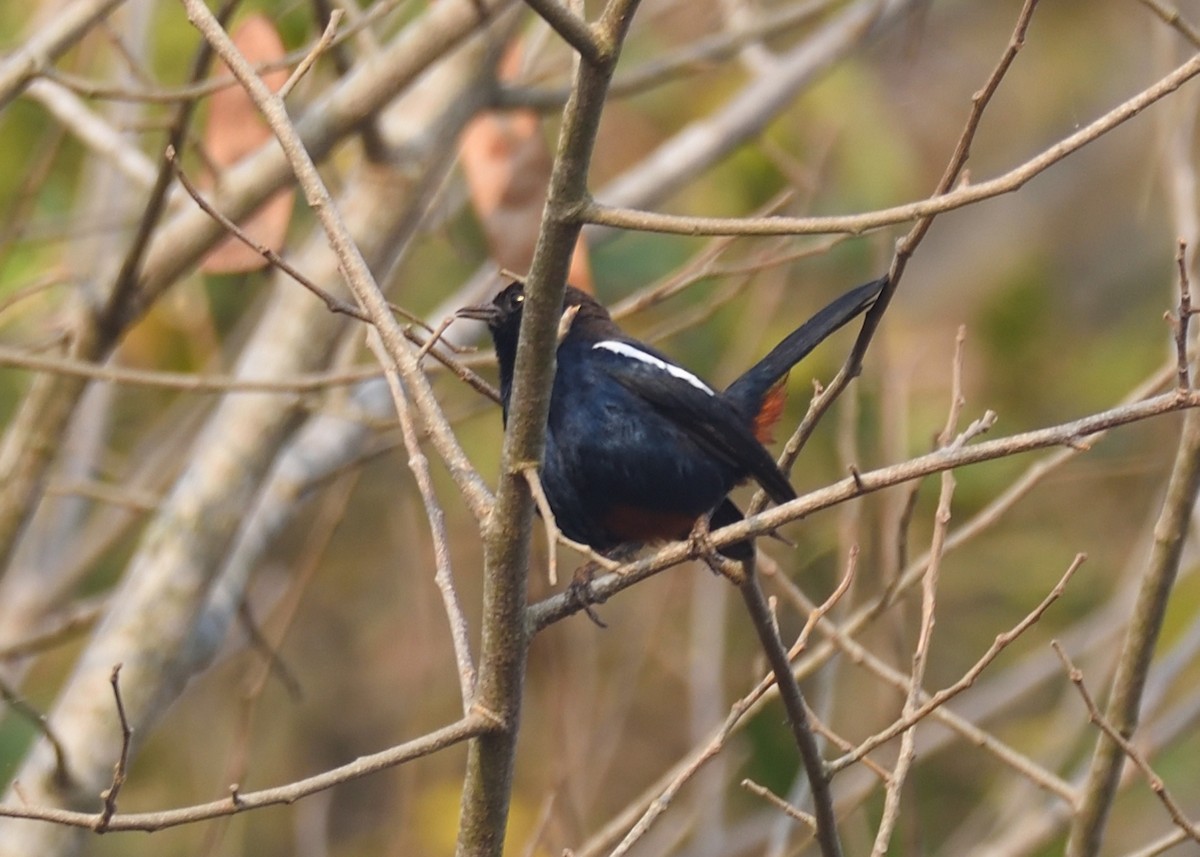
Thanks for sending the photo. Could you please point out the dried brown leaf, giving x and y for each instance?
(235, 129)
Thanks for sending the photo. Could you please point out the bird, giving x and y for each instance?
(639, 449)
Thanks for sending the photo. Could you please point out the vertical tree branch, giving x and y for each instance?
(506, 632)
(1170, 532)
(797, 711)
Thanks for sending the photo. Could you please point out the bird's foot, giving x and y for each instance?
(700, 547)
(580, 593)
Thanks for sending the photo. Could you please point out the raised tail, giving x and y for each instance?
(750, 392)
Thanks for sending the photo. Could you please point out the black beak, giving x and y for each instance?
(487, 313)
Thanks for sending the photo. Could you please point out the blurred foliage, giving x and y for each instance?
(1061, 286)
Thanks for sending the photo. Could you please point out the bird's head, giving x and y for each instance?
(503, 318)
(503, 314)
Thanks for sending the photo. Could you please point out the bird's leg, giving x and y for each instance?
(579, 590)
(700, 546)
(580, 593)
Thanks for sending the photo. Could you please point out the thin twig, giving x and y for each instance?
(334, 304)
(354, 267)
(57, 630)
(1155, 781)
(1185, 315)
(825, 731)
(822, 610)
(40, 284)
(443, 576)
(305, 383)
(435, 336)
(126, 498)
(474, 724)
(779, 803)
(22, 707)
(575, 30)
(553, 533)
(939, 699)
(920, 658)
(1172, 17)
(275, 664)
(109, 795)
(1161, 845)
(322, 45)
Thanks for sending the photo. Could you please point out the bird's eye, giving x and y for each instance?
(517, 299)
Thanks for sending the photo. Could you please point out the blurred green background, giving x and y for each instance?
(1062, 286)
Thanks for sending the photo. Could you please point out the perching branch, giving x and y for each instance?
(1071, 434)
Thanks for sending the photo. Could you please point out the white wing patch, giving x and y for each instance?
(627, 350)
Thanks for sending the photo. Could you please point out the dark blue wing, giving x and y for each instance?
(702, 414)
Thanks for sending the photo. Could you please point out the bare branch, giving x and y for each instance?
(354, 267)
(920, 657)
(334, 304)
(109, 795)
(822, 610)
(68, 25)
(310, 59)
(857, 224)
(575, 31)
(797, 711)
(779, 803)
(1172, 17)
(552, 609)
(474, 724)
(1156, 784)
(969, 731)
(308, 383)
(1185, 316)
(444, 577)
(14, 700)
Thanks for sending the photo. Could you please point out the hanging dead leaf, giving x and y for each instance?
(507, 166)
(233, 130)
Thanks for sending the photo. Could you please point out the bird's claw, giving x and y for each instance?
(700, 546)
(580, 593)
